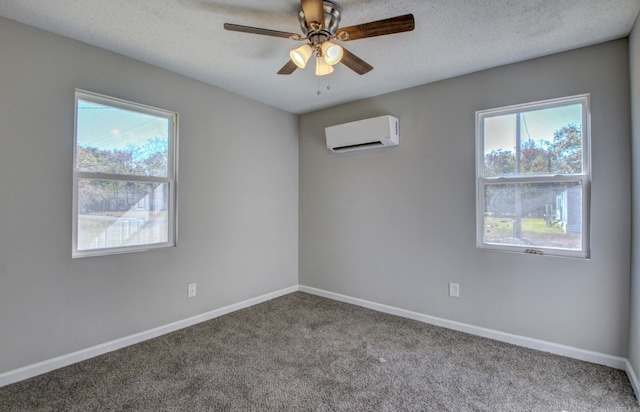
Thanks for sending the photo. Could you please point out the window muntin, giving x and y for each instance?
(533, 177)
(124, 176)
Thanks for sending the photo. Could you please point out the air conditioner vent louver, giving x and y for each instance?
(382, 131)
(360, 146)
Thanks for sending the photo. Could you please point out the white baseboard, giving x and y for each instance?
(633, 378)
(49, 365)
(537, 344)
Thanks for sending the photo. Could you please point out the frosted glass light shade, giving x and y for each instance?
(332, 53)
(322, 68)
(301, 55)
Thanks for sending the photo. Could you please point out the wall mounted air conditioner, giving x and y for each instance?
(382, 131)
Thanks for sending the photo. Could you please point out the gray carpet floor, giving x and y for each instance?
(301, 352)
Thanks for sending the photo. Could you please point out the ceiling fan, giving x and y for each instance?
(319, 22)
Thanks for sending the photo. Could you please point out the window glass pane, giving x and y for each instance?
(534, 214)
(118, 141)
(114, 213)
(545, 141)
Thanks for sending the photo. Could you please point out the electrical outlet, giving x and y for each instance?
(454, 290)
(191, 290)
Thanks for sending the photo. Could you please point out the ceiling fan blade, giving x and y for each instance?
(391, 25)
(257, 30)
(288, 68)
(313, 13)
(355, 63)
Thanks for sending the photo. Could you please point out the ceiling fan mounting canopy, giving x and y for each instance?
(320, 23)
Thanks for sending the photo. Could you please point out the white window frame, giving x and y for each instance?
(584, 178)
(170, 180)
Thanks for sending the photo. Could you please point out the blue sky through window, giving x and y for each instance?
(500, 131)
(109, 128)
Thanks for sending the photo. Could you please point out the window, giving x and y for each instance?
(124, 195)
(533, 177)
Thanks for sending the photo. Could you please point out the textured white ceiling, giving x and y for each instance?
(452, 37)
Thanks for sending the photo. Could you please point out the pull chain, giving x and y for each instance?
(328, 85)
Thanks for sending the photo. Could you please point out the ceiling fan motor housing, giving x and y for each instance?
(318, 35)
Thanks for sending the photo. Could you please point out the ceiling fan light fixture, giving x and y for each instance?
(319, 23)
(332, 53)
(301, 55)
(322, 68)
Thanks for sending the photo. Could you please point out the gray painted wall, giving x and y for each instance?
(395, 225)
(392, 226)
(634, 62)
(238, 202)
